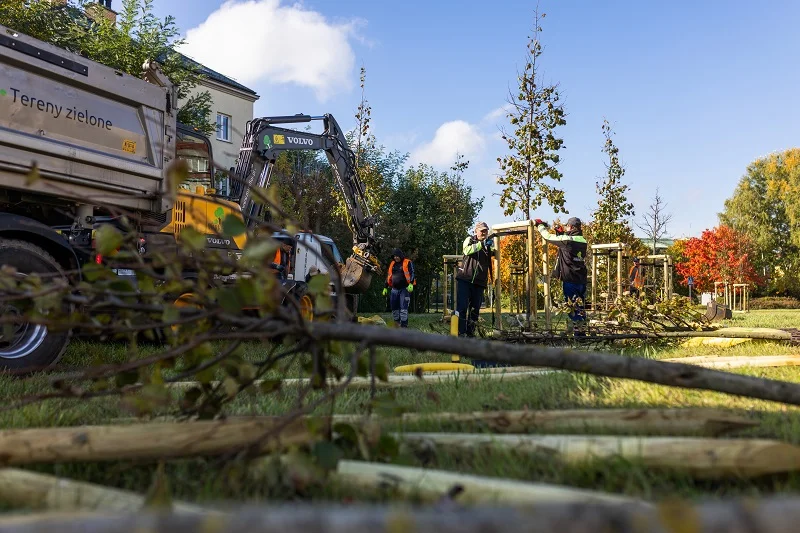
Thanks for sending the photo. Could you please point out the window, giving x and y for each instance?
(223, 127)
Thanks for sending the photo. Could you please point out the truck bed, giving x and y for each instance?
(98, 136)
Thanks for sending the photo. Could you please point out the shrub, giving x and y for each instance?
(775, 302)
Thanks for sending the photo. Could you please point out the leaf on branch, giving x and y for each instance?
(108, 239)
(269, 386)
(230, 386)
(233, 225)
(159, 495)
(327, 454)
(258, 250)
(177, 174)
(33, 175)
(192, 239)
(319, 284)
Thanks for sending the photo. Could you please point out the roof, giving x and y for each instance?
(214, 75)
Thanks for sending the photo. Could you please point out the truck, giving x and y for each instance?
(80, 141)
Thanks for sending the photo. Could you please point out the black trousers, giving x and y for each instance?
(470, 299)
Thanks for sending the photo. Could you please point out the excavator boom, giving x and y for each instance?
(264, 141)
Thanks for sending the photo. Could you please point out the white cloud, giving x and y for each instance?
(451, 138)
(495, 114)
(263, 41)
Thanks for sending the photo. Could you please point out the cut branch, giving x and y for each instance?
(597, 363)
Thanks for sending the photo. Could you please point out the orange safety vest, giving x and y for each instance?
(279, 258)
(638, 280)
(406, 261)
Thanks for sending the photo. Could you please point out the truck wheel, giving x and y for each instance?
(32, 346)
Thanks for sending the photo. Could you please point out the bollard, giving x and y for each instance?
(455, 358)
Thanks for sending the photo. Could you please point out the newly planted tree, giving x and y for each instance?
(609, 220)
(654, 221)
(530, 172)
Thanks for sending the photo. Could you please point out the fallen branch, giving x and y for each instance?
(597, 363)
(476, 489)
(32, 490)
(145, 441)
(703, 458)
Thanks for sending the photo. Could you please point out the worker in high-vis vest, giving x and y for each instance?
(636, 278)
(282, 261)
(400, 280)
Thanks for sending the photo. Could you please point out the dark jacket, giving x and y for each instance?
(476, 266)
(571, 262)
(400, 274)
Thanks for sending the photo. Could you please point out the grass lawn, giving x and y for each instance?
(201, 479)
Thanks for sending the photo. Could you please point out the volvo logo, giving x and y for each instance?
(300, 140)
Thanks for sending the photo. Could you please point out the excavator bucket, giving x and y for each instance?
(716, 312)
(356, 277)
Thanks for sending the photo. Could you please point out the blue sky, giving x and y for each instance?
(694, 90)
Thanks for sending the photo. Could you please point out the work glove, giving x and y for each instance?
(410, 288)
(488, 243)
(559, 230)
(540, 222)
(385, 291)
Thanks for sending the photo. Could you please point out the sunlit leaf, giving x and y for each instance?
(108, 239)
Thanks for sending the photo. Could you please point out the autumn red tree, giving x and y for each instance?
(719, 254)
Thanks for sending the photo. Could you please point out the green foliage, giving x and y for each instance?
(774, 302)
(532, 167)
(765, 206)
(137, 37)
(428, 215)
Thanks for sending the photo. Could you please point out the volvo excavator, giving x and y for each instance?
(262, 144)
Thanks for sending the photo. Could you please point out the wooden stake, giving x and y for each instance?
(691, 421)
(703, 458)
(145, 441)
(740, 361)
(476, 489)
(32, 490)
(398, 381)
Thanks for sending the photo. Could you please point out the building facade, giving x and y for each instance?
(231, 109)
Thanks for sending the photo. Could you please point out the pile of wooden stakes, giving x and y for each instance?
(684, 439)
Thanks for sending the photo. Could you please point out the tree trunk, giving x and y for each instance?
(145, 441)
(597, 363)
(703, 458)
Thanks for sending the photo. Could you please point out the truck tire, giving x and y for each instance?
(33, 347)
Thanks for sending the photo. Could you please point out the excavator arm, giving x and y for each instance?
(264, 141)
